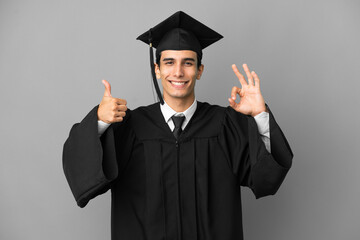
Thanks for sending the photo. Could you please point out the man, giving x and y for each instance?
(175, 168)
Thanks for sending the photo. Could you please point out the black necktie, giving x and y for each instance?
(178, 121)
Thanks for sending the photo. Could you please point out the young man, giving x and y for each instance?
(175, 168)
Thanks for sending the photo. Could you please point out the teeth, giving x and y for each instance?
(178, 83)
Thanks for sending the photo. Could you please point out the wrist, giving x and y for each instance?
(253, 114)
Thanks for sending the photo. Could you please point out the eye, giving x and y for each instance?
(188, 63)
(169, 63)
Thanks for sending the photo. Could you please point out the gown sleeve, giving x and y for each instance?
(248, 158)
(90, 162)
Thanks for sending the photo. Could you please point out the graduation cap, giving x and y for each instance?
(177, 32)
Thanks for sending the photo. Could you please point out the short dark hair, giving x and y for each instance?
(158, 57)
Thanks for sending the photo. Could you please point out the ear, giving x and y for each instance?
(200, 71)
(157, 71)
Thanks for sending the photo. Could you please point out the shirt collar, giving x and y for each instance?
(168, 112)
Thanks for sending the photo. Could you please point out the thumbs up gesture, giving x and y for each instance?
(111, 109)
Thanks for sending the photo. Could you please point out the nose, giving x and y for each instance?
(178, 70)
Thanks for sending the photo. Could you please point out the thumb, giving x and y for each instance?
(107, 92)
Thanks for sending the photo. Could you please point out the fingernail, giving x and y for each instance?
(233, 98)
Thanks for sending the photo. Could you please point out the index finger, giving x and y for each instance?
(239, 75)
(120, 101)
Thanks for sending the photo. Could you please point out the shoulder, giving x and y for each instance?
(141, 111)
(224, 117)
(209, 120)
(146, 112)
(146, 109)
(141, 119)
(212, 110)
(148, 122)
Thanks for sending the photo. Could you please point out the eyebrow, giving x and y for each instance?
(189, 59)
(185, 59)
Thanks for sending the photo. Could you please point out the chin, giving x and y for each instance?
(179, 96)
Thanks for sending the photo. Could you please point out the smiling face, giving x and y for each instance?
(178, 72)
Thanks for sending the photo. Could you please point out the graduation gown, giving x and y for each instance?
(168, 189)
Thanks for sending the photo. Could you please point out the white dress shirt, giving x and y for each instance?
(168, 112)
(262, 121)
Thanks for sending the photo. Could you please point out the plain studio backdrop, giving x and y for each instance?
(54, 54)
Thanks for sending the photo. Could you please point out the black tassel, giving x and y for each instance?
(152, 67)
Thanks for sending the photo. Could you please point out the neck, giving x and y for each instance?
(179, 104)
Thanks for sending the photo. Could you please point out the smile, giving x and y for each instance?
(178, 84)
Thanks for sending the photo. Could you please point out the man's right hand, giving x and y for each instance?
(111, 109)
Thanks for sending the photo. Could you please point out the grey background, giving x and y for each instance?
(53, 55)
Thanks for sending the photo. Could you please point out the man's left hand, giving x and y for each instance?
(251, 101)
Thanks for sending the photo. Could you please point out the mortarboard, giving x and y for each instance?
(177, 32)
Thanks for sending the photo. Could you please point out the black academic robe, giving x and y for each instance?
(168, 189)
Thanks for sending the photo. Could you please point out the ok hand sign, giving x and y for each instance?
(251, 100)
